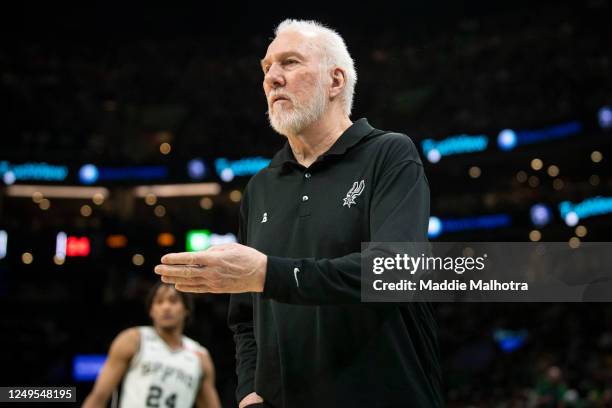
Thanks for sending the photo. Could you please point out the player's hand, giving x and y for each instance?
(227, 268)
(250, 399)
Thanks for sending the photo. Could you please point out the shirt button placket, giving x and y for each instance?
(306, 198)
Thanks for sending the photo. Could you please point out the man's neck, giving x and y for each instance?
(317, 138)
(172, 337)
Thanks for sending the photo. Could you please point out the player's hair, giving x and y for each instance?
(333, 48)
(186, 298)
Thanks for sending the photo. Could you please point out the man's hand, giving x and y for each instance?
(227, 268)
(252, 398)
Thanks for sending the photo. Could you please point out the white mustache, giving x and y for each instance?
(280, 94)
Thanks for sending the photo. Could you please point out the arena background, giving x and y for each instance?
(514, 98)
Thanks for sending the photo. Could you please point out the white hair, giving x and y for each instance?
(334, 50)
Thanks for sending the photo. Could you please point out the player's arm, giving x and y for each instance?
(123, 348)
(207, 396)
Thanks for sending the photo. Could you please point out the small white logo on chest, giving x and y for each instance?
(264, 218)
(353, 193)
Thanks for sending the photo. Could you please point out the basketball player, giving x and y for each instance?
(160, 367)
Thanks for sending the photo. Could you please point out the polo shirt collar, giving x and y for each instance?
(351, 136)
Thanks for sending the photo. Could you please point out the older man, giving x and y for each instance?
(303, 336)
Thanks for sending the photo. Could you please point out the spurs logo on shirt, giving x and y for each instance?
(353, 193)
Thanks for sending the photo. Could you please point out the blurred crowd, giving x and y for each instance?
(115, 97)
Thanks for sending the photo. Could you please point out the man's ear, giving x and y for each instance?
(338, 77)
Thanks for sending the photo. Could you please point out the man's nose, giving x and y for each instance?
(274, 77)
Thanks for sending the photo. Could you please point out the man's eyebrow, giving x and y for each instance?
(283, 55)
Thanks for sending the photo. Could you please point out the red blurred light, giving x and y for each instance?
(76, 246)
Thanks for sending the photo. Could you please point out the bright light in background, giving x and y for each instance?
(165, 239)
(206, 203)
(571, 219)
(535, 235)
(553, 171)
(536, 164)
(3, 243)
(574, 242)
(9, 178)
(98, 199)
(60, 245)
(138, 259)
(160, 211)
(434, 150)
(589, 207)
(88, 174)
(474, 172)
(510, 340)
(235, 196)
(434, 156)
(44, 204)
(116, 241)
(178, 190)
(581, 231)
(86, 210)
(435, 227)
(27, 258)
(78, 246)
(596, 156)
(246, 166)
(506, 140)
(150, 199)
(216, 239)
(198, 240)
(37, 197)
(540, 215)
(72, 192)
(165, 148)
(605, 117)
(196, 169)
(227, 175)
(86, 367)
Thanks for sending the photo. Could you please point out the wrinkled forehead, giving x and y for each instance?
(304, 43)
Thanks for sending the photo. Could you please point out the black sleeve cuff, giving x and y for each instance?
(282, 278)
(244, 389)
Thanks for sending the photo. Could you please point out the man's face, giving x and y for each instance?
(167, 309)
(294, 83)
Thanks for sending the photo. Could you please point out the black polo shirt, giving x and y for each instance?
(307, 340)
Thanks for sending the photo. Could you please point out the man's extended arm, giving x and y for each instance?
(398, 212)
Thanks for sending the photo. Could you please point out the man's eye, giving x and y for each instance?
(290, 61)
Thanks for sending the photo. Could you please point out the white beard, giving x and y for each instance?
(292, 121)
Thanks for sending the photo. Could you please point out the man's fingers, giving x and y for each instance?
(185, 258)
(191, 288)
(196, 280)
(183, 271)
